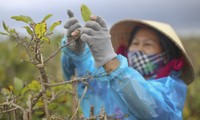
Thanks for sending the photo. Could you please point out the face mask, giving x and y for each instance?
(147, 65)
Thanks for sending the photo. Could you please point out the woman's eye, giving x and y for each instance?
(148, 44)
(135, 43)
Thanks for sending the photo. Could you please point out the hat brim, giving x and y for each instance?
(121, 33)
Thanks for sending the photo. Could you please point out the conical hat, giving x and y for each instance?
(121, 32)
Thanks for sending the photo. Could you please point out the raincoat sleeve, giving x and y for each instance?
(70, 60)
(147, 99)
(83, 63)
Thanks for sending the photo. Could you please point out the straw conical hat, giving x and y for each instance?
(121, 31)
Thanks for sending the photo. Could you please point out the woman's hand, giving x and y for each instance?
(97, 36)
(73, 32)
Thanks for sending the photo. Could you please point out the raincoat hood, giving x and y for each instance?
(121, 33)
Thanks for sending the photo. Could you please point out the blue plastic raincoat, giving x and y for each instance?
(124, 93)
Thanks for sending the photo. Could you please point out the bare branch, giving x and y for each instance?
(55, 95)
(34, 101)
(12, 104)
(15, 105)
(55, 53)
(46, 110)
(10, 110)
(67, 82)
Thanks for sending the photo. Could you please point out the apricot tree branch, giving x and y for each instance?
(55, 53)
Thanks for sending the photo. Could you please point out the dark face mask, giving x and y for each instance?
(147, 65)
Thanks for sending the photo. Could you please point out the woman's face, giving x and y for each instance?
(146, 41)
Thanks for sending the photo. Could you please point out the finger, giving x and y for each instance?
(93, 25)
(76, 33)
(87, 31)
(70, 22)
(70, 13)
(73, 28)
(101, 21)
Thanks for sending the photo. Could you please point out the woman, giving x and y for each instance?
(152, 86)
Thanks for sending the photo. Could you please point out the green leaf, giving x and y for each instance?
(54, 25)
(2, 33)
(39, 112)
(40, 103)
(5, 26)
(29, 19)
(24, 90)
(34, 86)
(12, 31)
(53, 106)
(40, 29)
(85, 12)
(45, 39)
(19, 18)
(28, 29)
(23, 18)
(47, 17)
(10, 87)
(18, 85)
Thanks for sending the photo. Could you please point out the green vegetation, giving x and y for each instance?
(192, 106)
(30, 69)
(22, 78)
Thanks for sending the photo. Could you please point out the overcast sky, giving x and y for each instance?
(183, 15)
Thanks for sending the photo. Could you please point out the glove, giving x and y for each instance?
(72, 26)
(97, 36)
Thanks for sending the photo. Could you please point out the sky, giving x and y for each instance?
(182, 15)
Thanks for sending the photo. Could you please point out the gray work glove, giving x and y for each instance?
(72, 25)
(97, 36)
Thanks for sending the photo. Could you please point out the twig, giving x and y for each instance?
(24, 45)
(10, 110)
(53, 78)
(45, 106)
(92, 112)
(14, 105)
(58, 50)
(54, 54)
(34, 101)
(67, 82)
(54, 96)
